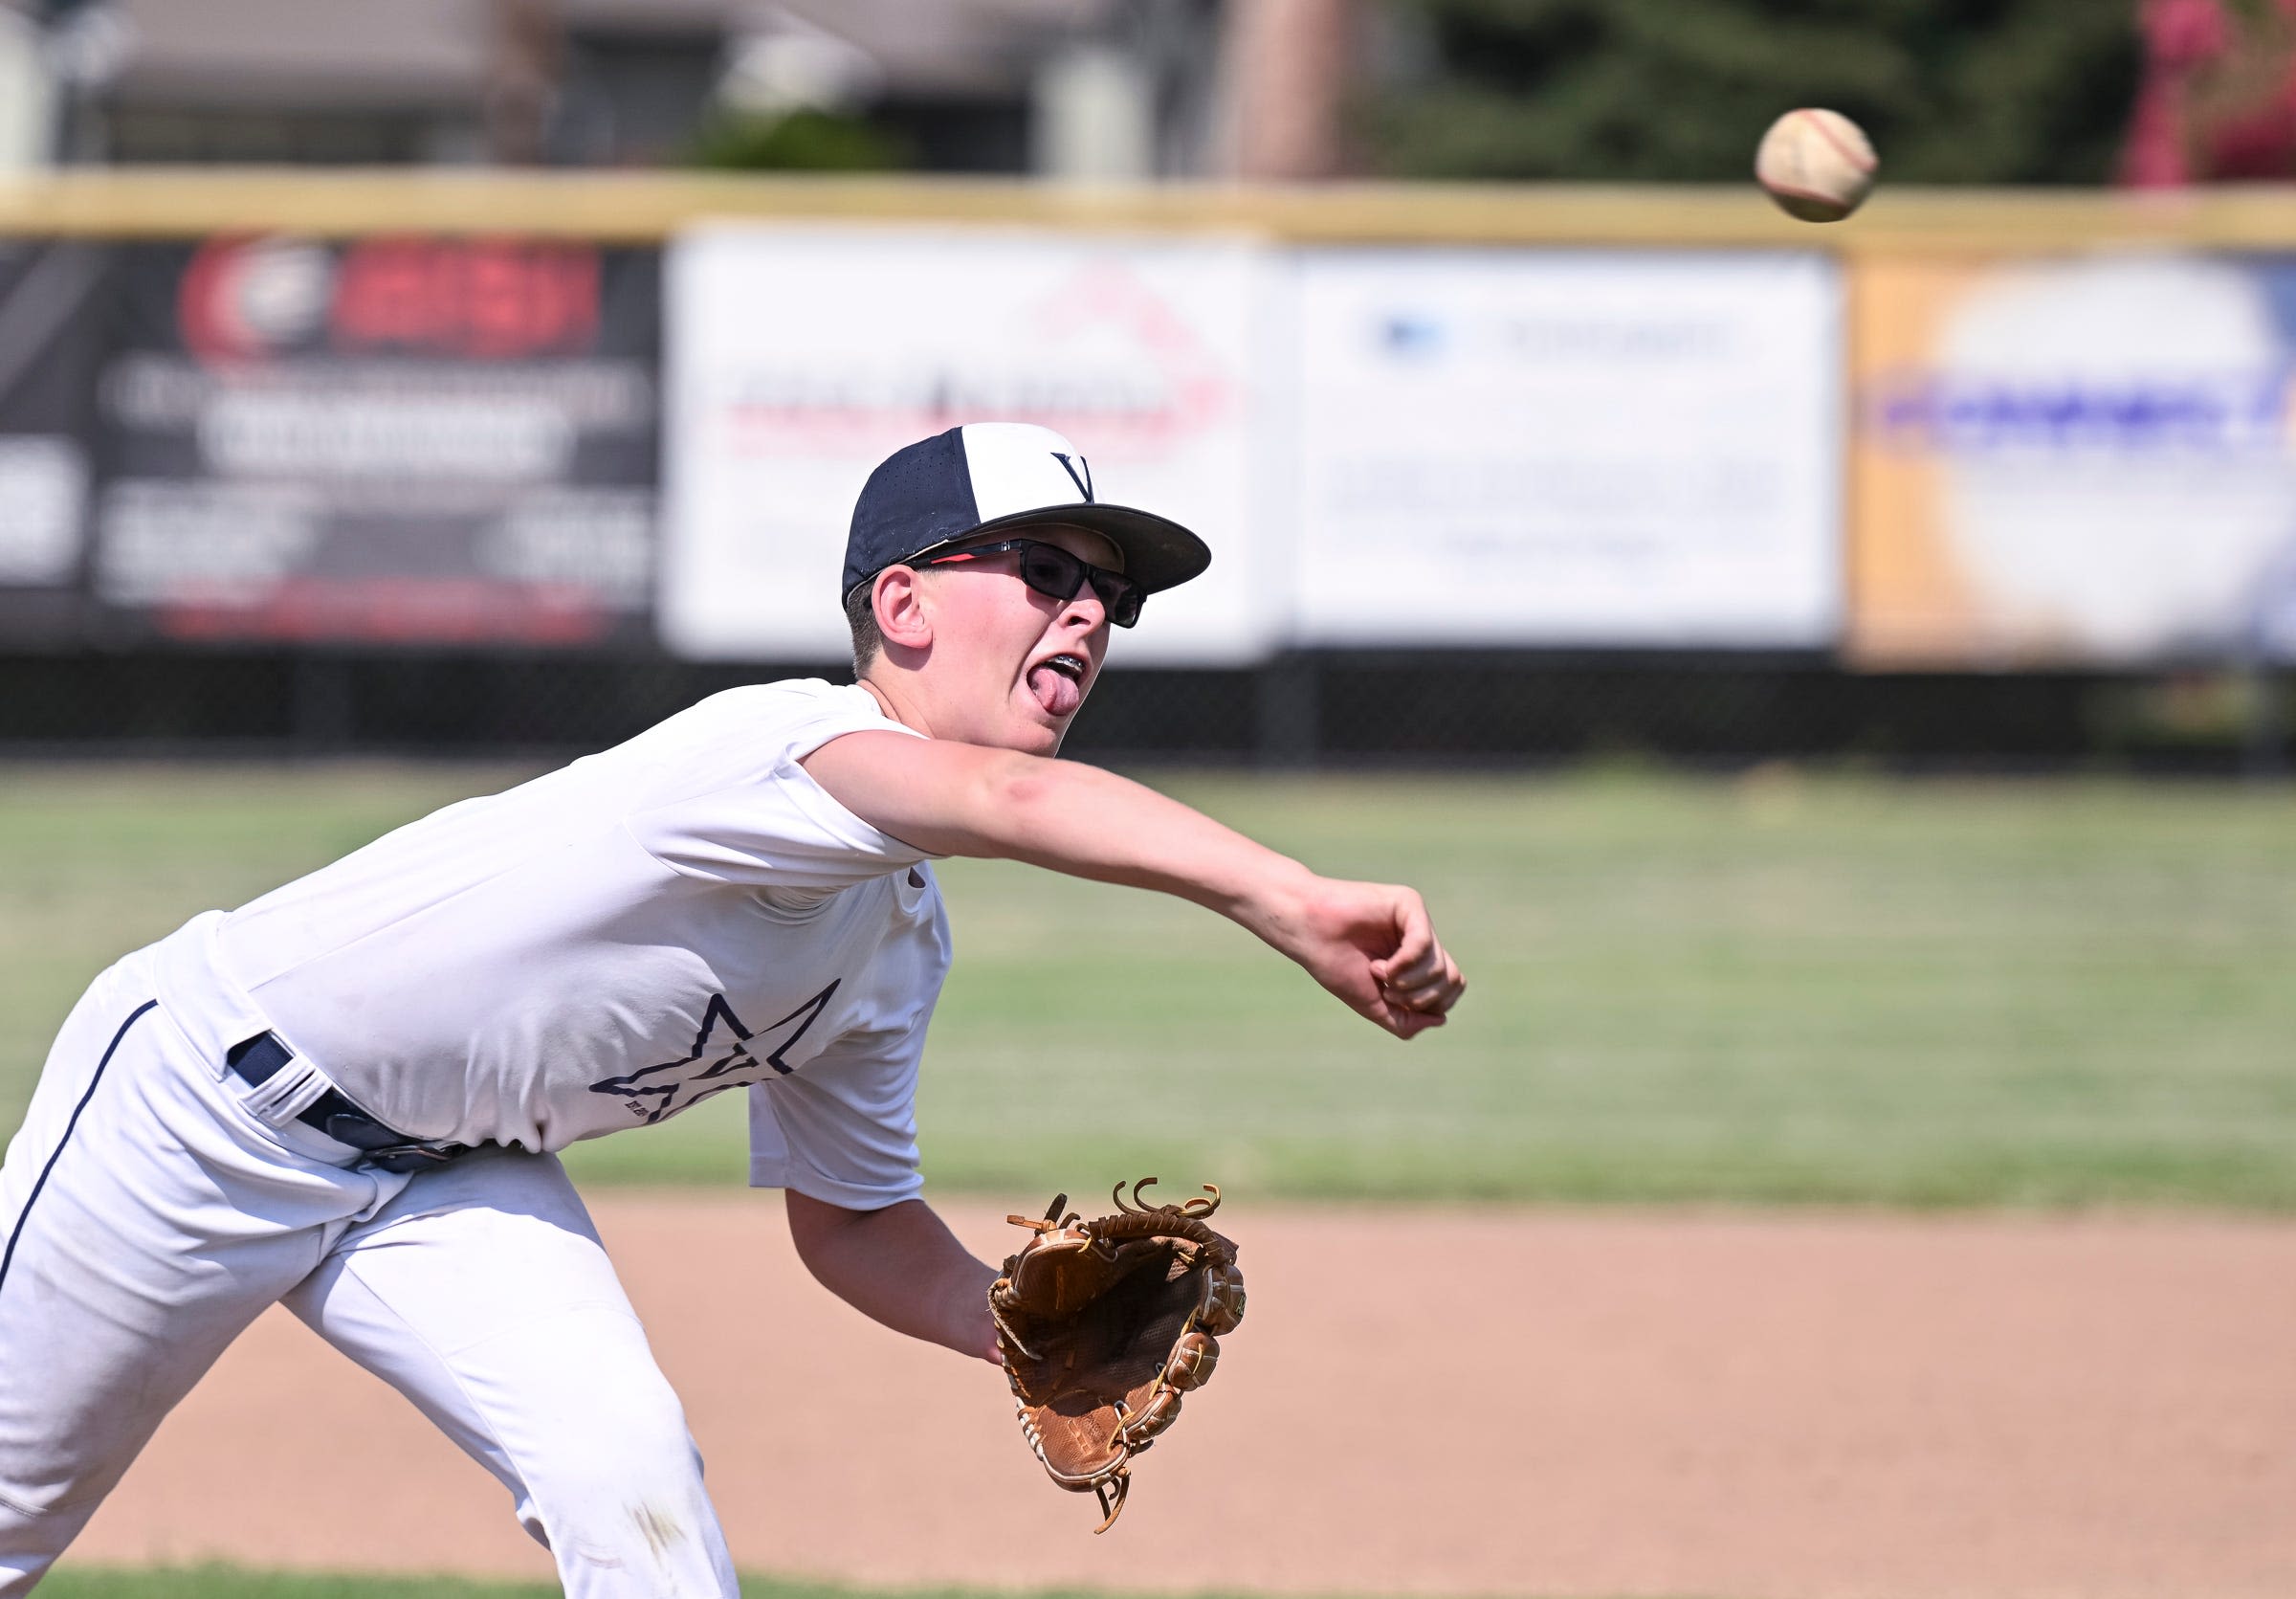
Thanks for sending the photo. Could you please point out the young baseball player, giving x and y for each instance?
(347, 1095)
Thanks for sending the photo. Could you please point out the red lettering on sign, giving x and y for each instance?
(484, 298)
(391, 610)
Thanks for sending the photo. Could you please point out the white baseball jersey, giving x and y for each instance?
(604, 947)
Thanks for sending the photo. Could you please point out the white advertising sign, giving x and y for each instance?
(1569, 448)
(799, 357)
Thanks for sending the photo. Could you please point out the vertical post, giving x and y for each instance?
(27, 98)
(2263, 753)
(1285, 77)
(1289, 691)
(525, 57)
(320, 717)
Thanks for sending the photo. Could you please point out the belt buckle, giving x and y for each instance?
(410, 1157)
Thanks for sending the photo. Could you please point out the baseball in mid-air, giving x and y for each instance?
(1816, 164)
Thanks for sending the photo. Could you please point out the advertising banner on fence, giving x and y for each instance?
(388, 440)
(52, 316)
(2077, 461)
(1568, 448)
(799, 357)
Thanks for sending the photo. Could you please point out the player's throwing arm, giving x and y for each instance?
(1372, 945)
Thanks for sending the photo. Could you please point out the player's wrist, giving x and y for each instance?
(1275, 905)
(970, 1329)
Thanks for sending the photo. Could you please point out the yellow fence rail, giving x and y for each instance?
(640, 207)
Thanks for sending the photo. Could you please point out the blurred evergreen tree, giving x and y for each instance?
(799, 140)
(1951, 91)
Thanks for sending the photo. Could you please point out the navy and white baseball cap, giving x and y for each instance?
(991, 477)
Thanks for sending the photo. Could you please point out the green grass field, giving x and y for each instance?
(1776, 989)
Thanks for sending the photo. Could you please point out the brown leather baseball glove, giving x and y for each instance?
(1104, 1324)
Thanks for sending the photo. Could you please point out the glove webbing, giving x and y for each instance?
(1134, 1221)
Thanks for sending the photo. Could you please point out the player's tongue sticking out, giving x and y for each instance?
(1055, 689)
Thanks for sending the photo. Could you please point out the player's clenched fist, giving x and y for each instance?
(1373, 944)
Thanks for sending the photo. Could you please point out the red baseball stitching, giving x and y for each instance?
(1865, 164)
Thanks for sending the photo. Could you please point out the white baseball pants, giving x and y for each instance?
(149, 1212)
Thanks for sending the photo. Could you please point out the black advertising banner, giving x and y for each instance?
(394, 441)
(51, 317)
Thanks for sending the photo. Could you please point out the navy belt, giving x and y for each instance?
(257, 1059)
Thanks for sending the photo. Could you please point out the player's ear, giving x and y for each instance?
(898, 599)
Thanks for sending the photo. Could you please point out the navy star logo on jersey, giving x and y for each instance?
(725, 1055)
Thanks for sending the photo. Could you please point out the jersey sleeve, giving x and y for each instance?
(762, 821)
(843, 1128)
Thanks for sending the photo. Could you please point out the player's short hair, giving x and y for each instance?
(861, 620)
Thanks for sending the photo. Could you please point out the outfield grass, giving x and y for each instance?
(1779, 988)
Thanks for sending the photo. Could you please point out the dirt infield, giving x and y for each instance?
(1539, 1403)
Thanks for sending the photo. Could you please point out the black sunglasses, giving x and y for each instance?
(1052, 571)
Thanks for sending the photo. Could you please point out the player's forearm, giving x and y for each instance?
(899, 1266)
(1088, 823)
(1371, 944)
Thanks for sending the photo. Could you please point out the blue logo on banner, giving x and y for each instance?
(1956, 414)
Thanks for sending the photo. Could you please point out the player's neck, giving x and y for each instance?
(896, 704)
